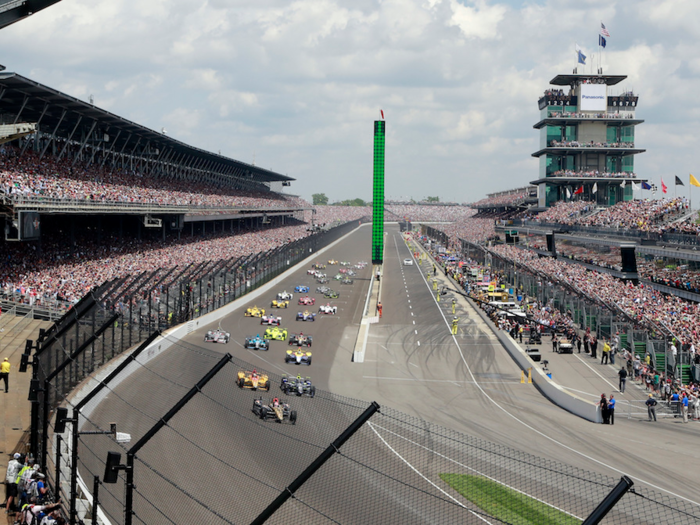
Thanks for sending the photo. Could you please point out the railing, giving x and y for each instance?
(50, 203)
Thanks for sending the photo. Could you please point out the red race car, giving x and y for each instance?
(306, 300)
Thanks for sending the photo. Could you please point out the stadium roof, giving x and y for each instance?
(35, 102)
(12, 11)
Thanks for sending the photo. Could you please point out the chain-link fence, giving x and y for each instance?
(215, 461)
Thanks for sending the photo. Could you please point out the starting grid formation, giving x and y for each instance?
(215, 462)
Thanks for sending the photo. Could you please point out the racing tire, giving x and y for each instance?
(312, 391)
(241, 382)
(268, 387)
(309, 361)
(285, 389)
(293, 417)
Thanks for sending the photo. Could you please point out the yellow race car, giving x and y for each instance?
(254, 311)
(279, 304)
(276, 333)
(332, 261)
(253, 380)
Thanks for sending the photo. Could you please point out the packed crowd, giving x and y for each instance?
(573, 114)
(62, 274)
(645, 215)
(591, 144)
(566, 212)
(28, 176)
(427, 213)
(593, 173)
(680, 277)
(511, 198)
(679, 317)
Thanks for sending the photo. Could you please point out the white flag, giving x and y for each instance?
(568, 193)
(624, 183)
(635, 186)
(595, 187)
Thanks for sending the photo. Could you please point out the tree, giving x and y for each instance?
(350, 202)
(319, 199)
(432, 199)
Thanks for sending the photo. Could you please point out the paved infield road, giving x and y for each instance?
(468, 383)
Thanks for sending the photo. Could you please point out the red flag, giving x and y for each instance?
(664, 188)
(382, 112)
(579, 191)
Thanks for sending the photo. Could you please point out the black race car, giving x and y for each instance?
(275, 410)
(297, 386)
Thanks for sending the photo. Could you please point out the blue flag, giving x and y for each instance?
(601, 41)
(581, 56)
(645, 186)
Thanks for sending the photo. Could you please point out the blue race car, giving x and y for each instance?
(301, 289)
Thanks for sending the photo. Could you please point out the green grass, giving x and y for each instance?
(506, 504)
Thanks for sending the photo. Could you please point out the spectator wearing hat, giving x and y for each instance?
(651, 407)
(604, 409)
(5, 373)
(623, 379)
(13, 468)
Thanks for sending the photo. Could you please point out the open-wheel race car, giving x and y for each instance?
(276, 303)
(332, 261)
(311, 272)
(253, 380)
(298, 386)
(275, 410)
(322, 280)
(217, 336)
(328, 309)
(343, 270)
(330, 294)
(270, 320)
(298, 357)
(319, 266)
(346, 280)
(320, 275)
(257, 343)
(301, 289)
(307, 301)
(322, 289)
(345, 263)
(301, 340)
(275, 333)
(254, 311)
(306, 316)
(338, 276)
(284, 296)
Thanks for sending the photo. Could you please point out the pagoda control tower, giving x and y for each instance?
(587, 143)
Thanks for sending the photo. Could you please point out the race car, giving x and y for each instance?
(330, 294)
(322, 280)
(254, 311)
(361, 265)
(275, 333)
(320, 275)
(253, 380)
(344, 263)
(301, 340)
(346, 280)
(275, 410)
(306, 300)
(311, 272)
(257, 343)
(322, 289)
(343, 270)
(297, 386)
(332, 261)
(270, 320)
(338, 276)
(217, 336)
(351, 273)
(284, 296)
(306, 316)
(298, 357)
(319, 266)
(301, 289)
(276, 303)
(328, 309)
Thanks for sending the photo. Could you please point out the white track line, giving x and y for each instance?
(414, 469)
(590, 458)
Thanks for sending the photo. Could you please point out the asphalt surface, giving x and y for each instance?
(467, 383)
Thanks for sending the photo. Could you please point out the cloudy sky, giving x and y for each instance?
(294, 86)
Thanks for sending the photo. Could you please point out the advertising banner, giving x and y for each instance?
(593, 97)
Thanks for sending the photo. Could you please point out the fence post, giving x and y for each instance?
(609, 501)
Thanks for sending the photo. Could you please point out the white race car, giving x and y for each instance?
(217, 336)
(284, 296)
(328, 309)
(270, 320)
